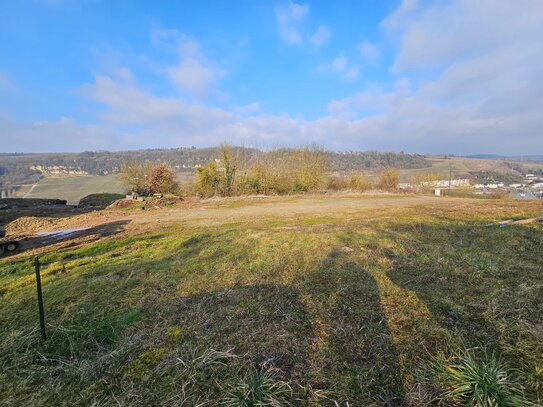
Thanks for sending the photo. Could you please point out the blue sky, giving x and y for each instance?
(446, 76)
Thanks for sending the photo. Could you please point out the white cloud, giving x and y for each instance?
(483, 94)
(161, 36)
(248, 109)
(321, 36)
(369, 52)
(341, 66)
(445, 33)
(194, 73)
(298, 11)
(129, 105)
(398, 16)
(63, 135)
(288, 20)
(352, 73)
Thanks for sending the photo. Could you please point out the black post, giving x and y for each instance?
(40, 297)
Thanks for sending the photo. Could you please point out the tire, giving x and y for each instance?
(11, 246)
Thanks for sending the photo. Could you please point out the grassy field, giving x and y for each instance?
(73, 188)
(305, 301)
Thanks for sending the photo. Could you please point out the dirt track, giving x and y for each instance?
(217, 213)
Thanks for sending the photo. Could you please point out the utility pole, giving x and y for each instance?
(450, 178)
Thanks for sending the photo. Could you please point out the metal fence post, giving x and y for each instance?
(40, 297)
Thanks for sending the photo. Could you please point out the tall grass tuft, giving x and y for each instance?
(261, 387)
(467, 381)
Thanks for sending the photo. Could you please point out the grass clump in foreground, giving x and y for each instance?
(261, 387)
(279, 312)
(467, 380)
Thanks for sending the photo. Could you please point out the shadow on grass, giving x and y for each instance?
(363, 361)
(482, 284)
(123, 329)
(267, 322)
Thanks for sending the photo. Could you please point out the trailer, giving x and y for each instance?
(7, 246)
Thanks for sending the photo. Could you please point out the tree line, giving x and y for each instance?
(17, 169)
(246, 172)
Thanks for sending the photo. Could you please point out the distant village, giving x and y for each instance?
(530, 188)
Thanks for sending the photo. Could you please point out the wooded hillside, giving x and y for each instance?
(17, 169)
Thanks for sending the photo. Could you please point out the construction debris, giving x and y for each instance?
(508, 222)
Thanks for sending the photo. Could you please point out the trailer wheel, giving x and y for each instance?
(11, 246)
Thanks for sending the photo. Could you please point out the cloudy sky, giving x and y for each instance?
(459, 76)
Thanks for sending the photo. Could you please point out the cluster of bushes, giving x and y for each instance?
(146, 178)
(280, 172)
(247, 172)
(387, 181)
(481, 177)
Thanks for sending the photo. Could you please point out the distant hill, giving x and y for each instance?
(532, 158)
(18, 169)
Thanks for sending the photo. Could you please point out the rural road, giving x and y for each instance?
(30, 191)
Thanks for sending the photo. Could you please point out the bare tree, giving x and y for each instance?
(134, 177)
(161, 179)
(147, 178)
(389, 179)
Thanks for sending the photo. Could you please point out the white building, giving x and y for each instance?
(444, 183)
(494, 185)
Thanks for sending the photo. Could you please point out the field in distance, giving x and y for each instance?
(73, 188)
(339, 299)
(464, 167)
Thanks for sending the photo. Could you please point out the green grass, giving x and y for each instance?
(272, 312)
(99, 201)
(466, 380)
(73, 188)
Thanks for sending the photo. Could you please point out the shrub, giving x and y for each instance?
(219, 176)
(257, 179)
(161, 179)
(357, 182)
(465, 380)
(134, 177)
(148, 178)
(229, 166)
(277, 172)
(389, 179)
(208, 180)
(311, 165)
(261, 387)
(425, 179)
(299, 188)
(337, 183)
